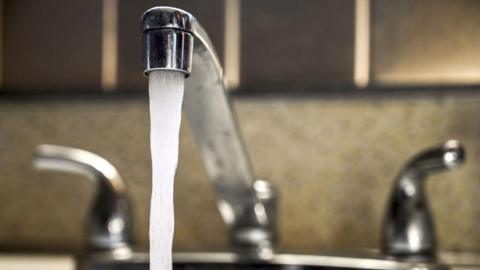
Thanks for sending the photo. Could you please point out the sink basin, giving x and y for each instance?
(231, 261)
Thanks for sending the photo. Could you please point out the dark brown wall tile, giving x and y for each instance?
(301, 43)
(52, 44)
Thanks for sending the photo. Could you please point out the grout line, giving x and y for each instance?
(109, 45)
(361, 72)
(232, 43)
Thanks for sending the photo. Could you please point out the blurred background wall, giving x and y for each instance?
(71, 75)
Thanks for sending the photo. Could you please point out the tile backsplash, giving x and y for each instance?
(333, 161)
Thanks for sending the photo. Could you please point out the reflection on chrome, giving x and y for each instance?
(408, 230)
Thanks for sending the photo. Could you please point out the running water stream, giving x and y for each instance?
(166, 96)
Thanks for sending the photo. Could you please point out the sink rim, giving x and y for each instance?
(320, 260)
(336, 261)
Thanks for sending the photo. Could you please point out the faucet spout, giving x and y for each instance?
(174, 40)
(408, 230)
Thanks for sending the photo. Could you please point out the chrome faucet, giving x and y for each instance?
(109, 224)
(174, 40)
(408, 229)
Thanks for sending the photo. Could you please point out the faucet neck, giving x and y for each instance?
(175, 40)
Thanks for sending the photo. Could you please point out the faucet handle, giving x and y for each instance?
(109, 222)
(408, 229)
(446, 156)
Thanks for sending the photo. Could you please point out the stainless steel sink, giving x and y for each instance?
(232, 261)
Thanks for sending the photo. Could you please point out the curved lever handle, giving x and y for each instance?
(449, 155)
(109, 223)
(408, 229)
